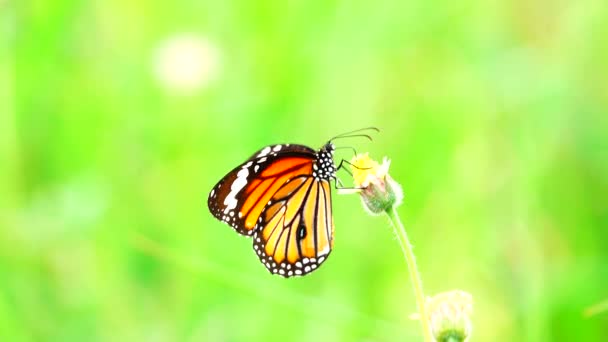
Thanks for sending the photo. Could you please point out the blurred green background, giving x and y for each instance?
(117, 118)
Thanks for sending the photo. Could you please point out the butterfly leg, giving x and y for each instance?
(338, 185)
(351, 164)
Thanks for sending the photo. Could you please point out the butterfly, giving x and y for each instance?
(281, 197)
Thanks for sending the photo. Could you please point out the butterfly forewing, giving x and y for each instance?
(240, 197)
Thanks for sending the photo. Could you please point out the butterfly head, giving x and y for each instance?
(324, 167)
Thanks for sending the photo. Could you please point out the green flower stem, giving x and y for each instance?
(410, 259)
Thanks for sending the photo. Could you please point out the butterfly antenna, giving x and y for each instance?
(347, 148)
(352, 134)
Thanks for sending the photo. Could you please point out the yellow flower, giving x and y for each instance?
(379, 192)
(449, 314)
(366, 170)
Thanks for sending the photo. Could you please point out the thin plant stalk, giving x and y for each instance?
(416, 280)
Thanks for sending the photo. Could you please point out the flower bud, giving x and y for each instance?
(379, 192)
(449, 315)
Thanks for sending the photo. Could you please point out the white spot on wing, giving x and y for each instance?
(264, 152)
(324, 251)
(277, 148)
(239, 183)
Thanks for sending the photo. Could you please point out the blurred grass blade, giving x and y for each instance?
(596, 309)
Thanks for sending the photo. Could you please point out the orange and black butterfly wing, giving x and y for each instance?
(241, 196)
(296, 231)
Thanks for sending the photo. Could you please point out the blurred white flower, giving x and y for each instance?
(450, 315)
(186, 63)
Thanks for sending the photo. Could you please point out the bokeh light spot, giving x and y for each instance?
(186, 63)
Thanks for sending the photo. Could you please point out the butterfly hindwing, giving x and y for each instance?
(295, 234)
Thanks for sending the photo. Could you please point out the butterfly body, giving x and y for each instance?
(281, 196)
